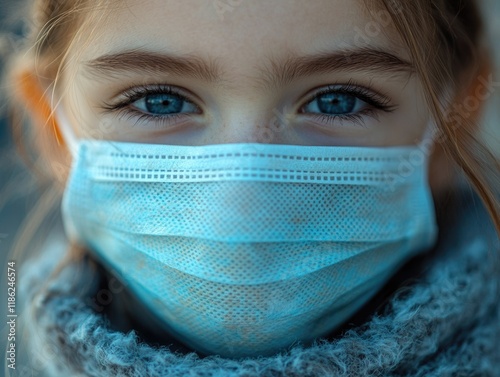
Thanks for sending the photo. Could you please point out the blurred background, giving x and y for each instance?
(18, 189)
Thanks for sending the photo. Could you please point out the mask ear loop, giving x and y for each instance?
(65, 128)
(67, 131)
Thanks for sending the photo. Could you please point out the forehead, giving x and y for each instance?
(243, 30)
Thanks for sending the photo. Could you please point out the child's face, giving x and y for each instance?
(265, 75)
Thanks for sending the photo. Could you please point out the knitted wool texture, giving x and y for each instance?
(444, 320)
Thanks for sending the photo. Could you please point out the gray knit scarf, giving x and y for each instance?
(439, 316)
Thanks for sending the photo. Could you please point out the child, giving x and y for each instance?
(256, 188)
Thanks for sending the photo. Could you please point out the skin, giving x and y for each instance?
(237, 107)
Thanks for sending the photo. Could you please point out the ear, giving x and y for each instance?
(35, 97)
(470, 101)
(473, 97)
(33, 94)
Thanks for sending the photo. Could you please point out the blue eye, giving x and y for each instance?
(345, 103)
(163, 104)
(335, 104)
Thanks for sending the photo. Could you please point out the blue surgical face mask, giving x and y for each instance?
(244, 249)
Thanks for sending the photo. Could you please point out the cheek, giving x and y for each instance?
(410, 121)
(406, 128)
(83, 114)
(442, 173)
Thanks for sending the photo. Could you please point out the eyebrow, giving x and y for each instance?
(276, 72)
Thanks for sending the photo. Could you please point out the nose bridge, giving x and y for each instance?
(251, 126)
(247, 130)
(247, 113)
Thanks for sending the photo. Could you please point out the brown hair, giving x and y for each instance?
(50, 28)
(445, 39)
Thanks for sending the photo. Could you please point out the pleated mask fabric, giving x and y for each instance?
(243, 249)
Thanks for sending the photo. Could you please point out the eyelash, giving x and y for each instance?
(133, 94)
(377, 102)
